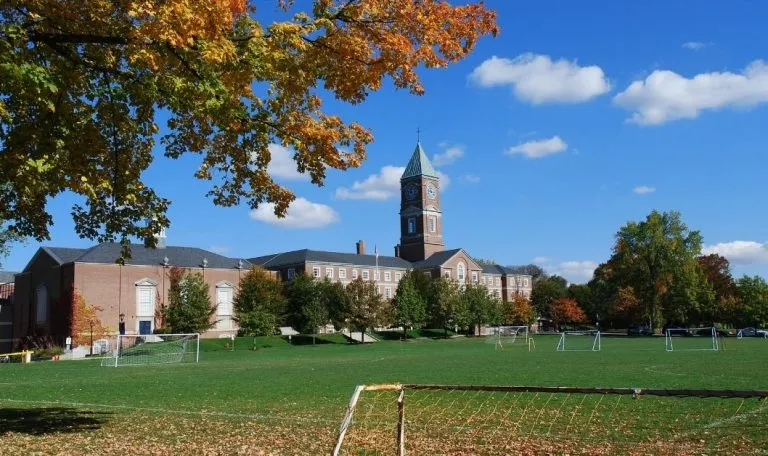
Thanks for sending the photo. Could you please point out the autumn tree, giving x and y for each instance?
(717, 270)
(518, 312)
(259, 303)
(189, 307)
(566, 311)
(409, 306)
(546, 291)
(86, 325)
(81, 84)
(625, 308)
(367, 309)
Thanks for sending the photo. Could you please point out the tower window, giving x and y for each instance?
(411, 225)
(432, 224)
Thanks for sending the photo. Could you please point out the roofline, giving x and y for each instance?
(161, 265)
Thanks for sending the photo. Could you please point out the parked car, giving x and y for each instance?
(748, 332)
(639, 330)
(762, 333)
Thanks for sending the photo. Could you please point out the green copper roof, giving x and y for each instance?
(419, 164)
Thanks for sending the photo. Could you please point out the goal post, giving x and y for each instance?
(502, 336)
(579, 341)
(702, 339)
(135, 349)
(475, 419)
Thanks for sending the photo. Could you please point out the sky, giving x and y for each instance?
(578, 117)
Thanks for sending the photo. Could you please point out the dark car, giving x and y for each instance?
(639, 330)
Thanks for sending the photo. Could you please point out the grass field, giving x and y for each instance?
(290, 399)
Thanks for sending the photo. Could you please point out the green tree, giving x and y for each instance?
(546, 291)
(189, 307)
(649, 256)
(533, 270)
(443, 304)
(753, 292)
(81, 84)
(367, 309)
(259, 303)
(409, 306)
(335, 299)
(481, 307)
(582, 294)
(307, 306)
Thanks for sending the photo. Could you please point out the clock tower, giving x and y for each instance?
(421, 225)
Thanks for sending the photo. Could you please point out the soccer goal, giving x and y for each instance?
(579, 341)
(510, 336)
(496, 419)
(704, 339)
(154, 349)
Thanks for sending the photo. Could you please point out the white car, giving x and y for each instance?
(762, 333)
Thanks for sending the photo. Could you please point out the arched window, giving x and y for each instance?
(41, 304)
(461, 270)
(411, 225)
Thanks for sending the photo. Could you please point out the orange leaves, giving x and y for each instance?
(566, 310)
(85, 322)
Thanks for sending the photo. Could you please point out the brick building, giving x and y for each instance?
(139, 287)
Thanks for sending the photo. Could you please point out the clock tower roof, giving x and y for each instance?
(419, 165)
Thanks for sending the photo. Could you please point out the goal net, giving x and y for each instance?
(491, 420)
(704, 339)
(579, 341)
(509, 336)
(153, 349)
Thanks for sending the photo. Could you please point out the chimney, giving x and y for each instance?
(397, 251)
(161, 239)
(360, 247)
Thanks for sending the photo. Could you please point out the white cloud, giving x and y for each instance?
(470, 178)
(643, 190)
(665, 95)
(220, 249)
(540, 260)
(450, 155)
(539, 148)
(574, 271)
(740, 252)
(302, 213)
(382, 186)
(693, 45)
(282, 164)
(538, 79)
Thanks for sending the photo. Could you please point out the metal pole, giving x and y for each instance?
(197, 356)
(401, 423)
(91, 323)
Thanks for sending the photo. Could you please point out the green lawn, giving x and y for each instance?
(289, 399)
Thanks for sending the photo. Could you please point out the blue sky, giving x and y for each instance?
(578, 117)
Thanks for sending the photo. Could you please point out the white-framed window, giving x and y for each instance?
(376, 276)
(483, 279)
(398, 276)
(342, 273)
(496, 293)
(329, 273)
(461, 270)
(388, 292)
(291, 273)
(354, 274)
(432, 224)
(474, 277)
(146, 292)
(525, 282)
(41, 304)
(387, 276)
(366, 274)
(315, 272)
(447, 274)
(224, 296)
(498, 281)
(411, 225)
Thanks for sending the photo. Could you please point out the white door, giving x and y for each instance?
(224, 308)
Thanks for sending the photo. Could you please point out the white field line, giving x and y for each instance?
(171, 411)
(716, 423)
(651, 369)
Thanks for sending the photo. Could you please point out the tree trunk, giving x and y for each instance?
(405, 332)
(362, 336)
(313, 338)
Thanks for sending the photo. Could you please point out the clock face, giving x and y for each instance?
(431, 191)
(412, 192)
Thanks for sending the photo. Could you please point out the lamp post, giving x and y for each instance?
(90, 322)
